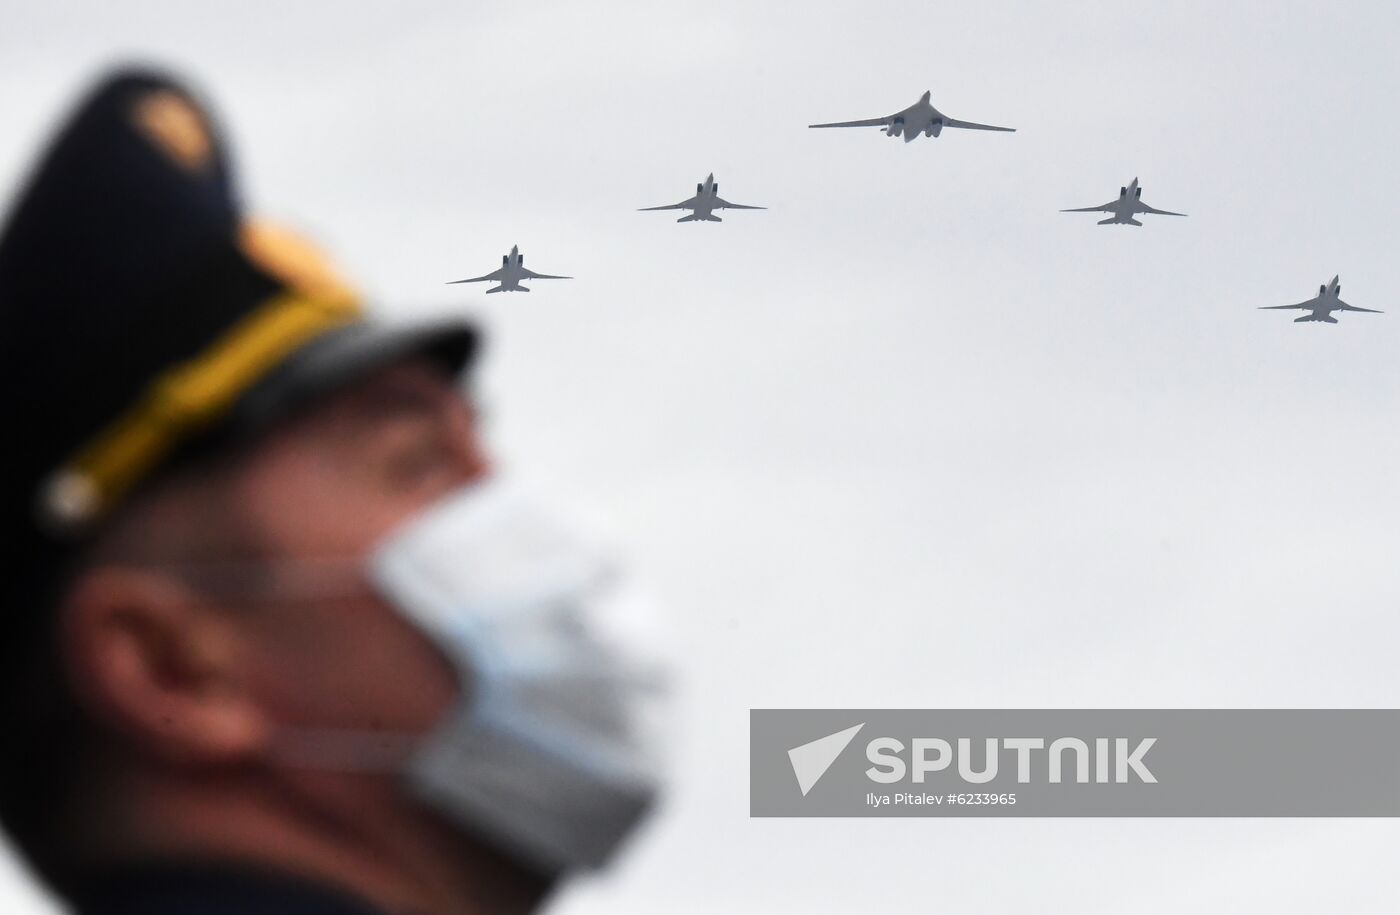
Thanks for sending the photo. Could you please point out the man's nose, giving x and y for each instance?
(467, 440)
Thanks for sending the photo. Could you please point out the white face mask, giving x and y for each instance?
(552, 752)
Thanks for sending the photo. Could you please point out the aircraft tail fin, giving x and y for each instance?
(1109, 221)
(696, 217)
(1316, 316)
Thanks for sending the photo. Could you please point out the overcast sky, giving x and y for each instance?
(909, 437)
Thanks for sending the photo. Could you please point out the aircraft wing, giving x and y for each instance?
(968, 125)
(493, 275)
(1144, 208)
(687, 204)
(532, 275)
(1311, 304)
(868, 122)
(726, 205)
(1106, 208)
(1343, 306)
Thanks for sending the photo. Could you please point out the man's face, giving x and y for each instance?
(230, 610)
(322, 650)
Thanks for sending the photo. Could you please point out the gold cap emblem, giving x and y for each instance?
(176, 127)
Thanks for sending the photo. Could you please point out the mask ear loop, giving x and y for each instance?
(293, 580)
(311, 579)
(344, 750)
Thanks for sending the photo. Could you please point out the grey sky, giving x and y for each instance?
(910, 437)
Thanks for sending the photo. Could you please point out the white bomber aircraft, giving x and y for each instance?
(510, 273)
(1122, 210)
(1321, 306)
(919, 118)
(703, 204)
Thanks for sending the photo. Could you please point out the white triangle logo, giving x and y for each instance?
(811, 760)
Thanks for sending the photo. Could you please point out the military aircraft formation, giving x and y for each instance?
(919, 119)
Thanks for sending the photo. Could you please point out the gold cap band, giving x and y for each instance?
(181, 400)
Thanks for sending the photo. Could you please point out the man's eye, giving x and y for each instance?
(412, 467)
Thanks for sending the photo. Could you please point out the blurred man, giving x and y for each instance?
(276, 639)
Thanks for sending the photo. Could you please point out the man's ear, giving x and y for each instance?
(159, 667)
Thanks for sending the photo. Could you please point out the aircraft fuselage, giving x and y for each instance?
(706, 193)
(1327, 295)
(512, 265)
(1124, 206)
(919, 118)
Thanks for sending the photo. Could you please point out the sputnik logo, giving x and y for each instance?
(811, 760)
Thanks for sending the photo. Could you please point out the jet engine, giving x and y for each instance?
(1339, 290)
(896, 127)
(1122, 192)
(1137, 192)
(1322, 290)
(521, 260)
(505, 259)
(715, 191)
(699, 189)
(933, 129)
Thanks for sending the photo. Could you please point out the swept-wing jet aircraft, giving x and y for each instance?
(919, 118)
(510, 273)
(703, 204)
(1122, 210)
(1321, 306)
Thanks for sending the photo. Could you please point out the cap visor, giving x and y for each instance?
(346, 355)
